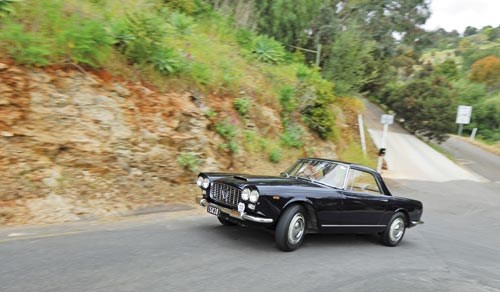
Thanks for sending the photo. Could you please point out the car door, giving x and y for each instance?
(364, 202)
(329, 204)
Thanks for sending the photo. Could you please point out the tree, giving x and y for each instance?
(470, 30)
(347, 61)
(287, 20)
(427, 106)
(486, 70)
(447, 69)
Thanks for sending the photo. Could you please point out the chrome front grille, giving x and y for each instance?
(225, 194)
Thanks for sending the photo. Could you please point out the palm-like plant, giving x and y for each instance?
(5, 7)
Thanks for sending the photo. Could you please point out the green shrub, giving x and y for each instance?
(244, 38)
(242, 105)
(5, 7)
(25, 47)
(190, 7)
(141, 38)
(287, 101)
(228, 132)
(181, 22)
(275, 155)
(210, 113)
(268, 50)
(200, 73)
(83, 41)
(188, 161)
(167, 61)
(292, 137)
(320, 119)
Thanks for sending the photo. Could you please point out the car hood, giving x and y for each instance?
(263, 181)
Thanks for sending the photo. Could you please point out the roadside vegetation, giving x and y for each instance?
(185, 46)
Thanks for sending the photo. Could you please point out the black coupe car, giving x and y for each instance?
(313, 195)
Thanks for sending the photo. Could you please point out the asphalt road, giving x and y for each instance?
(474, 158)
(457, 249)
(407, 157)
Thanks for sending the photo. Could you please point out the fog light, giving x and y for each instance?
(204, 192)
(251, 206)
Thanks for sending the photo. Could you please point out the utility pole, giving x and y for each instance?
(362, 134)
(317, 52)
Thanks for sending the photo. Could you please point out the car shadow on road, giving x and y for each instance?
(255, 238)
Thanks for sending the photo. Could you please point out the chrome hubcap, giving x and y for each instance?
(397, 229)
(296, 228)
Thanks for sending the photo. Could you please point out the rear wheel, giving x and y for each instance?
(291, 228)
(225, 222)
(395, 230)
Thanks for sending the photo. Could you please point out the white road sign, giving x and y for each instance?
(387, 119)
(464, 113)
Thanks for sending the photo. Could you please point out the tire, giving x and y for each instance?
(395, 230)
(291, 228)
(225, 222)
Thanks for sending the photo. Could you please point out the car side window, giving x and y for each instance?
(362, 182)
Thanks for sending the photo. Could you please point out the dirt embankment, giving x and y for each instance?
(76, 145)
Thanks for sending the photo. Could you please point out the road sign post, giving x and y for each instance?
(362, 133)
(386, 120)
(464, 113)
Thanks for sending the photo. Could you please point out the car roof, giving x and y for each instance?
(359, 166)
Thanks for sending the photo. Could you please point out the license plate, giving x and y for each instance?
(213, 210)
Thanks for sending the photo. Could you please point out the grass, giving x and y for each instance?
(147, 41)
(354, 153)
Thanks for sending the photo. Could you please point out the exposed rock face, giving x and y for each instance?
(75, 145)
(68, 139)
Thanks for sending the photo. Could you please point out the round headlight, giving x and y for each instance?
(245, 194)
(199, 182)
(206, 183)
(254, 196)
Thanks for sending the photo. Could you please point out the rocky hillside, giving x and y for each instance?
(82, 144)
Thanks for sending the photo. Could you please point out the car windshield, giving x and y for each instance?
(326, 172)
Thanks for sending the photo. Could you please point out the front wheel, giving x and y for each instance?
(394, 232)
(291, 228)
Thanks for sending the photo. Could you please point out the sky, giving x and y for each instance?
(458, 14)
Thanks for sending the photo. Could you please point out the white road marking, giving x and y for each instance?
(17, 234)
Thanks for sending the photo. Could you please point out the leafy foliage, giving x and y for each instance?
(292, 137)
(242, 105)
(275, 155)
(188, 161)
(427, 106)
(84, 41)
(167, 62)
(448, 69)
(5, 7)
(228, 132)
(268, 50)
(347, 64)
(486, 70)
(25, 47)
(181, 22)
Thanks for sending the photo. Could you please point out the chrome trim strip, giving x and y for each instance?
(414, 223)
(236, 214)
(327, 225)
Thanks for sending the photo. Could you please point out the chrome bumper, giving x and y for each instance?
(233, 213)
